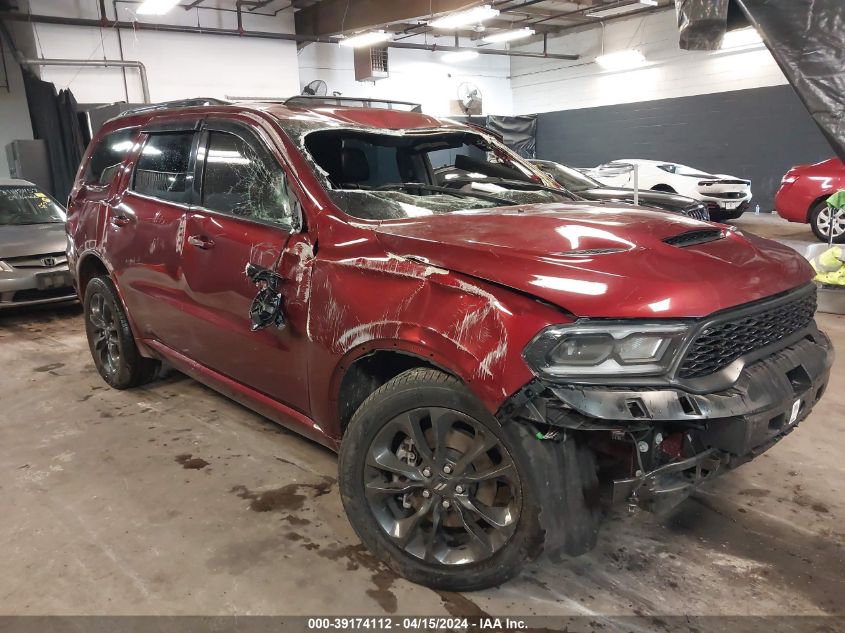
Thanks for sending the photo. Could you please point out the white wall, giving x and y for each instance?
(14, 113)
(179, 65)
(544, 85)
(417, 76)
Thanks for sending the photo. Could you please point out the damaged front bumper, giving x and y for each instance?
(658, 444)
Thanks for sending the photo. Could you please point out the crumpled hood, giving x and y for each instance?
(549, 251)
(32, 239)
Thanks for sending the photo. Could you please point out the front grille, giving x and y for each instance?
(728, 195)
(721, 343)
(698, 212)
(47, 260)
(691, 238)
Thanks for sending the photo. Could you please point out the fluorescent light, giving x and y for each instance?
(459, 56)
(621, 60)
(507, 36)
(475, 15)
(618, 10)
(740, 38)
(365, 39)
(156, 7)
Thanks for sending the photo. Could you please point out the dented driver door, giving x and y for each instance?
(244, 218)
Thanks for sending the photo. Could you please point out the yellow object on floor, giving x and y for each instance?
(829, 267)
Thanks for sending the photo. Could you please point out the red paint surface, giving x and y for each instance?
(352, 287)
(795, 200)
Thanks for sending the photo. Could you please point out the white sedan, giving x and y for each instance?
(726, 197)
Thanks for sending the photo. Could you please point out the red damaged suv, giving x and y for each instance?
(494, 358)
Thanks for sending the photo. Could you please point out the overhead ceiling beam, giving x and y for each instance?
(331, 17)
(174, 28)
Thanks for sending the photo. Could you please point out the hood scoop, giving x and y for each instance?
(692, 238)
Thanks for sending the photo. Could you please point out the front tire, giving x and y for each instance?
(435, 488)
(110, 339)
(823, 217)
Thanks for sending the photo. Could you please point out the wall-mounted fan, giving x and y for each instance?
(316, 88)
(469, 98)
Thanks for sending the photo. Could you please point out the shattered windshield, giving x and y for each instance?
(28, 205)
(568, 177)
(387, 175)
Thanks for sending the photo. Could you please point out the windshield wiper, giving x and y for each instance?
(516, 184)
(395, 186)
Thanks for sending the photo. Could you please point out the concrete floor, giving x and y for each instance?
(170, 499)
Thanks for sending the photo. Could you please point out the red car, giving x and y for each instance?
(802, 195)
(492, 359)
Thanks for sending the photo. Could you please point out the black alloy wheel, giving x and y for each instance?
(442, 486)
(110, 339)
(436, 487)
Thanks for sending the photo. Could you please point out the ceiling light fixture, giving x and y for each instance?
(621, 60)
(156, 7)
(508, 36)
(619, 10)
(365, 39)
(741, 38)
(475, 15)
(459, 56)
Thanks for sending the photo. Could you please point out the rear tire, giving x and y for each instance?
(821, 218)
(431, 528)
(110, 339)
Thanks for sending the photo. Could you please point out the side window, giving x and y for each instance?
(243, 179)
(108, 155)
(162, 169)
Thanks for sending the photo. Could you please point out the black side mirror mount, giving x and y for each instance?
(267, 307)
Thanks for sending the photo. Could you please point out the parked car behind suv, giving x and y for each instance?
(492, 362)
(591, 189)
(33, 263)
(803, 195)
(727, 197)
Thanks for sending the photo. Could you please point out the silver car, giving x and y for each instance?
(33, 258)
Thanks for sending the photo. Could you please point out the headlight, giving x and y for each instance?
(598, 349)
(4, 267)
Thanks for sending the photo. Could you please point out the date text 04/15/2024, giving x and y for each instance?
(416, 623)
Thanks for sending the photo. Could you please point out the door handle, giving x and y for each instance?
(200, 242)
(120, 220)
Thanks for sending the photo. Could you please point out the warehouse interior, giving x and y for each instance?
(178, 497)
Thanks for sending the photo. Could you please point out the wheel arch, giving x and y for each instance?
(813, 204)
(90, 265)
(664, 188)
(363, 370)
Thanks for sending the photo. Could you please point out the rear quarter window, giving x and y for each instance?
(108, 155)
(164, 166)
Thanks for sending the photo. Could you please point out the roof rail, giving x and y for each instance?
(311, 101)
(179, 103)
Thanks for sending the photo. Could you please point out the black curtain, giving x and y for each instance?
(518, 132)
(806, 39)
(54, 121)
(804, 36)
